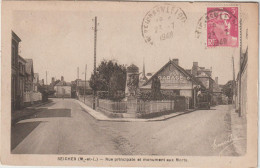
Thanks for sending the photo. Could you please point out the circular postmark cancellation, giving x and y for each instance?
(159, 23)
(222, 26)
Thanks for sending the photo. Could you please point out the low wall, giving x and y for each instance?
(31, 98)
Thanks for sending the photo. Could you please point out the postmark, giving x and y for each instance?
(159, 23)
(222, 26)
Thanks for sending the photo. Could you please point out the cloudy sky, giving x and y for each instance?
(59, 41)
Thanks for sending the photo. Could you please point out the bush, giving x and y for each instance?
(147, 96)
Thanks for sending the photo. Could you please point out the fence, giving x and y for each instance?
(88, 100)
(30, 97)
(111, 106)
(154, 106)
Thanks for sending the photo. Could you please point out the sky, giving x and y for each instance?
(62, 40)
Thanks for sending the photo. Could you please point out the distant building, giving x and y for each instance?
(142, 78)
(29, 75)
(35, 82)
(63, 89)
(15, 67)
(81, 84)
(204, 75)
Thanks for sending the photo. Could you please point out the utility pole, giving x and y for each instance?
(77, 83)
(85, 82)
(46, 78)
(234, 82)
(241, 54)
(78, 73)
(95, 53)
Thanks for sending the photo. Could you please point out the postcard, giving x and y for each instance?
(129, 84)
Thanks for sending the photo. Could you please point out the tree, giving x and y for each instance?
(156, 88)
(110, 76)
(228, 89)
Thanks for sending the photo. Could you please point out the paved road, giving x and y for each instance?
(63, 127)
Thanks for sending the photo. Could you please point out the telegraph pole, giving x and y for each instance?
(46, 78)
(85, 82)
(234, 82)
(95, 53)
(241, 54)
(78, 73)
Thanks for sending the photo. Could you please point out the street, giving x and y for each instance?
(63, 127)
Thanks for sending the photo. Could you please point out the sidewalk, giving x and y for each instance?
(101, 117)
(28, 111)
(239, 132)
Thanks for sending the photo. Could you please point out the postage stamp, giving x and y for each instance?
(222, 26)
(159, 23)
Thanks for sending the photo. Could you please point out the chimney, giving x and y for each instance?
(216, 80)
(62, 78)
(176, 61)
(195, 67)
(52, 80)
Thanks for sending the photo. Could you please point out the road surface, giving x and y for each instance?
(63, 127)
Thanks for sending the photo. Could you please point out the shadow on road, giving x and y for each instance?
(47, 113)
(21, 131)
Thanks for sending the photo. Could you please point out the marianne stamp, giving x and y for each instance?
(159, 23)
(222, 26)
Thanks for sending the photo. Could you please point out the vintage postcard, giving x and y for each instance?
(129, 84)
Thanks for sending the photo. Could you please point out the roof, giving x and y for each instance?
(22, 59)
(61, 83)
(183, 71)
(29, 66)
(15, 37)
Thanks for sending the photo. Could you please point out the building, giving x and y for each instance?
(21, 81)
(81, 85)
(143, 78)
(175, 80)
(204, 75)
(15, 68)
(241, 85)
(35, 82)
(29, 75)
(63, 89)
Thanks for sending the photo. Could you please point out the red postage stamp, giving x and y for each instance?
(222, 26)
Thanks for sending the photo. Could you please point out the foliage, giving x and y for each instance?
(156, 89)
(110, 76)
(116, 96)
(147, 96)
(228, 89)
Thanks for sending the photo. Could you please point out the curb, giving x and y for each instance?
(99, 118)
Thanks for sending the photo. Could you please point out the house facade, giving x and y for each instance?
(176, 81)
(15, 72)
(62, 89)
(29, 75)
(21, 81)
(241, 85)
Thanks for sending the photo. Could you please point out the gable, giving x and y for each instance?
(171, 75)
